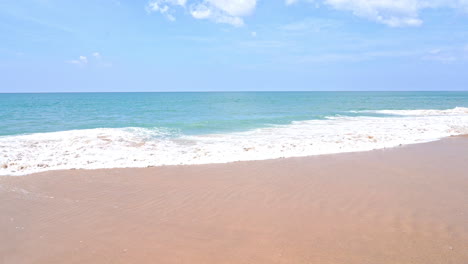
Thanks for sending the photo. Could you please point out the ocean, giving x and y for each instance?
(41, 132)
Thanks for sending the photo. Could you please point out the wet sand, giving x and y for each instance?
(400, 206)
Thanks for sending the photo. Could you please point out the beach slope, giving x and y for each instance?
(403, 205)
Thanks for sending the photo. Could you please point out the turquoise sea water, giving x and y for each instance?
(200, 113)
(40, 132)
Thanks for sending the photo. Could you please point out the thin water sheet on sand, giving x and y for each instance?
(403, 205)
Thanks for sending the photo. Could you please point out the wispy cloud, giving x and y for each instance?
(94, 59)
(447, 55)
(165, 7)
(310, 25)
(219, 11)
(355, 56)
(224, 11)
(394, 13)
(441, 55)
(81, 61)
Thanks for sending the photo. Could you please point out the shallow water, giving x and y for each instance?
(106, 130)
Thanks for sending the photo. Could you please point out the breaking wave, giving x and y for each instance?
(141, 147)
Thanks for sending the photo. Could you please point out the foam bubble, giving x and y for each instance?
(140, 147)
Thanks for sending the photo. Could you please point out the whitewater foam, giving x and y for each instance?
(139, 147)
(420, 112)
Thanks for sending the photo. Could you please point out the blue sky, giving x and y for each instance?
(233, 45)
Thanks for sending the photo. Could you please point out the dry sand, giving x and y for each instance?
(399, 206)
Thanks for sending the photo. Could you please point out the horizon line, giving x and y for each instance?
(294, 91)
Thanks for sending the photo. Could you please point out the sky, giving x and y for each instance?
(233, 45)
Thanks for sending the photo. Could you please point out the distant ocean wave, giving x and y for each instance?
(143, 147)
(420, 112)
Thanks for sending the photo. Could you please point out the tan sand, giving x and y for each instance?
(399, 206)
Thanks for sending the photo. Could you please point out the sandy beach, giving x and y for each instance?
(403, 205)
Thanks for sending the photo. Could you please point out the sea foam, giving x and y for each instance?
(421, 112)
(140, 147)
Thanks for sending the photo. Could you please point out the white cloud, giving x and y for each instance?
(82, 60)
(95, 59)
(200, 11)
(223, 11)
(164, 7)
(219, 11)
(234, 7)
(394, 13)
(292, 2)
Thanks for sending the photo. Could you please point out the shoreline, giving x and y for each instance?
(241, 161)
(399, 205)
(140, 147)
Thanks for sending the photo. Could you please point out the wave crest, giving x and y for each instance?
(140, 147)
(420, 112)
